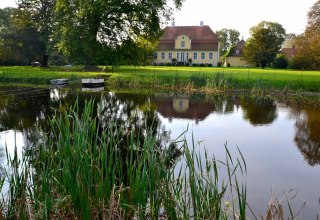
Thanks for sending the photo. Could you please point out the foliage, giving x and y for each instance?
(86, 168)
(19, 42)
(39, 15)
(280, 62)
(103, 25)
(265, 42)
(227, 39)
(308, 43)
(301, 62)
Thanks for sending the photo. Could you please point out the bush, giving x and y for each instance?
(300, 62)
(219, 64)
(187, 64)
(194, 64)
(169, 64)
(280, 62)
(209, 65)
(201, 64)
(189, 60)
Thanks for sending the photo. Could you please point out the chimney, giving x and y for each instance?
(173, 23)
(201, 23)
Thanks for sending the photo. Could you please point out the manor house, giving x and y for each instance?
(188, 44)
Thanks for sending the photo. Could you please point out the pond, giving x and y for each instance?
(279, 138)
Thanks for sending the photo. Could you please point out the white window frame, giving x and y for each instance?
(210, 56)
(195, 55)
(163, 55)
(170, 55)
(203, 55)
(183, 44)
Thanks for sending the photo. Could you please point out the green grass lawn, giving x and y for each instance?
(169, 77)
(238, 73)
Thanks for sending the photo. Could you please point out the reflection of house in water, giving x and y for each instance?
(176, 107)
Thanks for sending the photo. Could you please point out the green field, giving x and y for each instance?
(167, 77)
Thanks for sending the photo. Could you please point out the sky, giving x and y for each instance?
(236, 14)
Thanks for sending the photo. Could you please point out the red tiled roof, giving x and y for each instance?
(289, 52)
(202, 37)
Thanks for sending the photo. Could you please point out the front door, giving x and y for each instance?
(182, 57)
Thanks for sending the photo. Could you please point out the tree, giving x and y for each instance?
(19, 41)
(308, 43)
(265, 42)
(39, 15)
(227, 39)
(84, 29)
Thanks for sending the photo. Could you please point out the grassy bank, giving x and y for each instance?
(73, 173)
(210, 79)
(177, 78)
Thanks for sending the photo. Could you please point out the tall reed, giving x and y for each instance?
(82, 170)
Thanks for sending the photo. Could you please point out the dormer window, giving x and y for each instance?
(237, 52)
(183, 44)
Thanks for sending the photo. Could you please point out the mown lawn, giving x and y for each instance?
(238, 73)
(204, 78)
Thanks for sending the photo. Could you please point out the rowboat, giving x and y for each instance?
(58, 82)
(92, 82)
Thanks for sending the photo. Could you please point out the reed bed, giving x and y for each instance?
(82, 170)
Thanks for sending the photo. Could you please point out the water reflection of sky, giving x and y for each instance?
(274, 162)
(10, 139)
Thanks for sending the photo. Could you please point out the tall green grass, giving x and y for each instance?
(78, 171)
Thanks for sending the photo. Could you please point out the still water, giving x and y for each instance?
(279, 139)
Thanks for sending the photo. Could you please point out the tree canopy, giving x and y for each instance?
(227, 39)
(309, 42)
(265, 42)
(87, 31)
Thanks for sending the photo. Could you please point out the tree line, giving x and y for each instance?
(127, 32)
(267, 38)
(81, 31)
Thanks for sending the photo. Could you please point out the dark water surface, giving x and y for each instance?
(280, 140)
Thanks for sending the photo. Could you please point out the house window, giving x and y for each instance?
(170, 55)
(195, 56)
(163, 55)
(183, 44)
(155, 55)
(237, 52)
(177, 56)
(210, 56)
(203, 55)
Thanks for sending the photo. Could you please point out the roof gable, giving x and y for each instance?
(202, 37)
(193, 32)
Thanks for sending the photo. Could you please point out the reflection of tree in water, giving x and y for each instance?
(259, 110)
(308, 136)
(134, 118)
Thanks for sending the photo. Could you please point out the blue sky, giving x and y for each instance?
(239, 15)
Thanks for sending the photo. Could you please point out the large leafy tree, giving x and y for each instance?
(227, 39)
(19, 41)
(85, 29)
(309, 42)
(265, 42)
(37, 16)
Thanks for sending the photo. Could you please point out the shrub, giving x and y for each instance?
(190, 60)
(201, 64)
(280, 62)
(300, 62)
(209, 65)
(194, 64)
(169, 64)
(187, 64)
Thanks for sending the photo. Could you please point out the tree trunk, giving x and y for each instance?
(45, 60)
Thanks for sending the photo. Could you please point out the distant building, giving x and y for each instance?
(181, 43)
(289, 48)
(236, 58)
